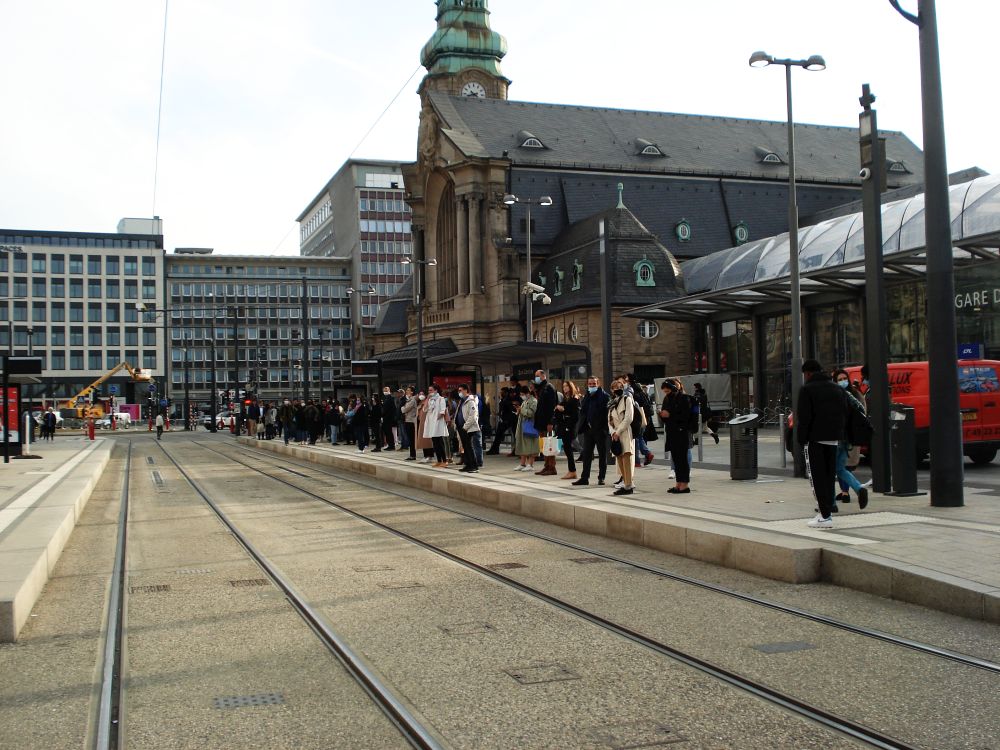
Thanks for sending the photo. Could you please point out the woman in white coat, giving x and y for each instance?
(436, 424)
(621, 409)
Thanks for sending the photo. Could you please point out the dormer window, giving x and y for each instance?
(767, 156)
(529, 140)
(898, 167)
(647, 148)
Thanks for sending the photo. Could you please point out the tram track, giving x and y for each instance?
(790, 703)
(967, 660)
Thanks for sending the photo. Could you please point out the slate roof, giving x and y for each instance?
(392, 313)
(628, 242)
(608, 139)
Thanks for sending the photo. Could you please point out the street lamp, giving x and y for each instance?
(815, 63)
(418, 306)
(510, 199)
(369, 291)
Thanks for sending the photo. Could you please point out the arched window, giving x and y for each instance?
(648, 329)
(447, 245)
(554, 335)
(574, 333)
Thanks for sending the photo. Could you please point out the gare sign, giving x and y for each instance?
(978, 298)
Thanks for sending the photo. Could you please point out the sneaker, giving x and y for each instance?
(862, 498)
(820, 523)
(361, 450)
(715, 437)
(867, 484)
(623, 491)
(619, 484)
(671, 475)
(600, 482)
(649, 459)
(425, 460)
(582, 482)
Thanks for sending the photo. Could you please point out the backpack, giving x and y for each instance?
(694, 411)
(638, 420)
(859, 427)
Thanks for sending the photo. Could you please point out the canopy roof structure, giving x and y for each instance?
(504, 357)
(732, 282)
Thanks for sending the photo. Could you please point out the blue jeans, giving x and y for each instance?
(333, 434)
(286, 432)
(477, 447)
(846, 479)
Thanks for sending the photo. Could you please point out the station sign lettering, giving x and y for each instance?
(977, 298)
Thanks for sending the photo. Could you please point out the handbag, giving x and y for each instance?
(550, 446)
(616, 447)
(528, 428)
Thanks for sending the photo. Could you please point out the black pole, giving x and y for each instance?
(212, 426)
(418, 298)
(236, 369)
(6, 416)
(876, 347)
(187, 391)
(605, 306)
(305, 339)
(942, 342)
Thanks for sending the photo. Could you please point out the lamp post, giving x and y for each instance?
(815, 62)
(212, 412)
(187, 384)
(418, 307)
(510, 199)
(369, 291)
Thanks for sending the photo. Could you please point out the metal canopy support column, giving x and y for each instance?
(306, 376)
(605, 308)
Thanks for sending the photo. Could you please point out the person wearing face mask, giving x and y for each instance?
(469, 432)
(545, 416)
(390, 418)
(409, 413)
(848, 455)
(593, 430)
(286, 418)
(621, 410)
(436, 424)
(424, 444)
(567, 416)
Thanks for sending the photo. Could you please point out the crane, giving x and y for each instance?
(80, 403)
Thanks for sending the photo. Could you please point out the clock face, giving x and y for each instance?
(472, 88)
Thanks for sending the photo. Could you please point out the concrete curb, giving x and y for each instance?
(29, 554)
(771, 555)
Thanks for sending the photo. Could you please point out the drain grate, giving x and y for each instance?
(635, 734)
(506, 566)
(192, 571)
(371, 568)
(785, 647)
(588, 560)
(241, 701)
(154, 589)
(248, 582)
(539, 673)
(401, 585)
(150, 460)
(467, 628)
(157, 479)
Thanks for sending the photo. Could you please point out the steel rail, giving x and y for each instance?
(411, 729)
(896, 640)
(803, 709)
(108, 724)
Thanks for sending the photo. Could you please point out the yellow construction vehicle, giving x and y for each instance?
(80, 403)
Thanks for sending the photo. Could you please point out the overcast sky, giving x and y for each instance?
(263, 101)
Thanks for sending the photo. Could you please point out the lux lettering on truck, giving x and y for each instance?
(899, 382)
(981, 298)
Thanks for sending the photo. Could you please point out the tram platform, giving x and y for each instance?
(899, 547)
(40, 502)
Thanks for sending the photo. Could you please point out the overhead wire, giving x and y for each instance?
(159, 106)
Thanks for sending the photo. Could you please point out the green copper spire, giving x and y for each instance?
(621, 195)
(463, 40)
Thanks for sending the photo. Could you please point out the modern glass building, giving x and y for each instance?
(274, 325)
(73, 299)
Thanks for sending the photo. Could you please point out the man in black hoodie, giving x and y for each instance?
(821, 420)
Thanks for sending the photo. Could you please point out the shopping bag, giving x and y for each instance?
(550, 446)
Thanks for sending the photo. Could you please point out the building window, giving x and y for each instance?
(76, 360)
(20, 287)
(57, 263)
(75, 264)
(148, 266)
(94, 289)
(683, 230)
(94, 312)
(149, 290)
(644, 273)
(648, 329)
(532, 143)
(149, 360)
(38, 312)
(93, 336)
(651, 151)
(554, 335)
(574, 333)
(58, 312)
(58, 336)
(771, 158)
(38, 262)
(20, 264)
(111, 265)
(447, 233)
(38, 288)
(113, 314)
(131, 290)
(58, 360)
(131, 265)
(113, 289)
(94, 265)
(741, 233)
(75, 312)
(57, 288)
(76, 288)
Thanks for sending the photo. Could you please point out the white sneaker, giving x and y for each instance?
(867, 484)
(425, 460)
(671, 475)
(620, 484)
(821, 523)
(361, 450)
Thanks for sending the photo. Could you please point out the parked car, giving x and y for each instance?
(37, 416)
(124, 420)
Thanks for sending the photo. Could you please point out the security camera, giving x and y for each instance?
(530, 287)
(865, 174)
(543, 298)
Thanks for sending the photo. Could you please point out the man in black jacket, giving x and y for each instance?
(545, 415)
(820, 420)
(593, 427)
(506, 420)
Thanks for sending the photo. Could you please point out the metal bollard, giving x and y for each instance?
(782, 449)
(90, 429)
(701, 440)
(26, 448)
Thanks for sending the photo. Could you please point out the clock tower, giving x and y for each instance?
(463, 56)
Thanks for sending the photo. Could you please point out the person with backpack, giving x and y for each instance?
(846, 479)
(638, 392)
(678, 412)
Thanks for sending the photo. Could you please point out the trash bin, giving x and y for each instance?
(903, 449)
(743, 446)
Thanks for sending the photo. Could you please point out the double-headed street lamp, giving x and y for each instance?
(418, 306)
(815, 62)
(510, 199)
(369, 291)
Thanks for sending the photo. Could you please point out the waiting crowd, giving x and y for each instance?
(447, 429)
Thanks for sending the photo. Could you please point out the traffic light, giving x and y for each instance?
(247, 401)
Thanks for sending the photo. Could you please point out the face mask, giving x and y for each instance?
(843, 383)
(619, 391)
(422, 397)
(385, 393)
(286, 402)
(591, 389)
(538, 380)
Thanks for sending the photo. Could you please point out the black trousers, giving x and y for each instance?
(593, 440)
(502, 428)
(567, 439)
(823, 472)
(468, 454)
(439, 451)
(678, 444)
(411, 433)
(390, 441)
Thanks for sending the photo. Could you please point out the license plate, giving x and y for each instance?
(969, 416)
